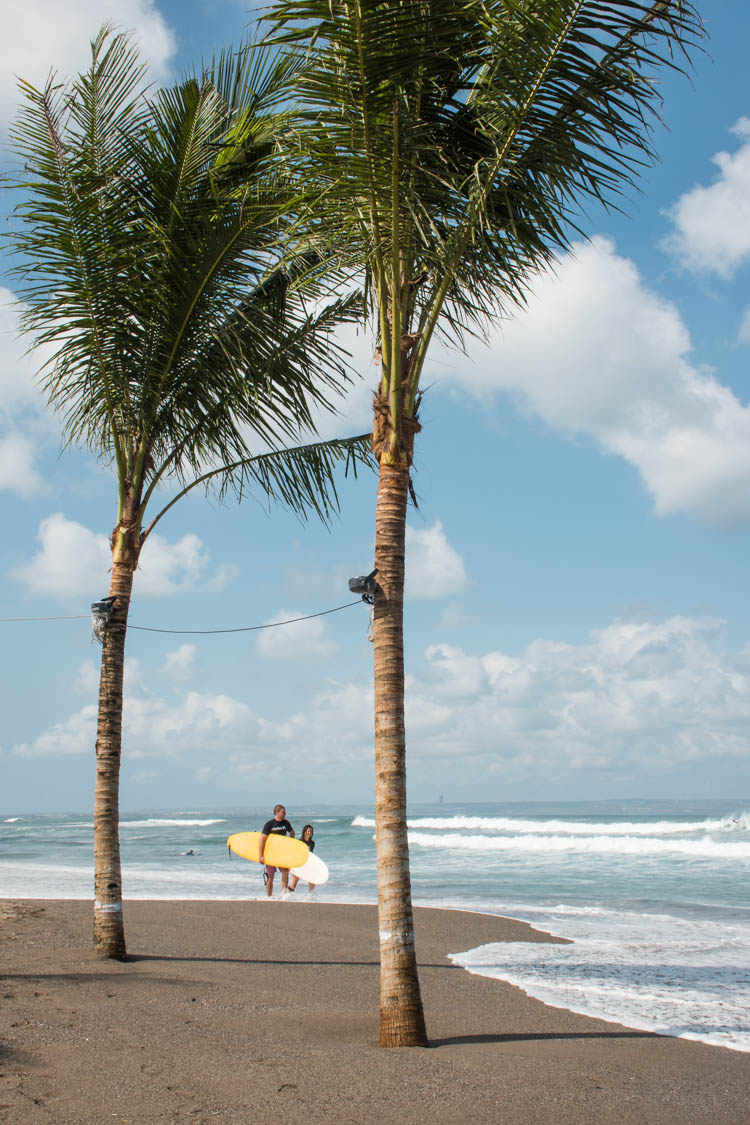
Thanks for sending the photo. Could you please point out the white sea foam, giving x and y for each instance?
(151, 822)
(12, 819)
(594, 845)
(25, 880)
(738, 823)
(154, 822)
(673, 976)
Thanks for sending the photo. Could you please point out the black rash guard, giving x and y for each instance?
(282, 827)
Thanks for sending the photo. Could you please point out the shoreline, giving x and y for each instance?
(236, 1012)
(733, 1035)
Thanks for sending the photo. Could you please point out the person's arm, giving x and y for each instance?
(291, 830)
(262, 845)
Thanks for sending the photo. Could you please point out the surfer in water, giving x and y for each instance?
(277, 825)
(306, 838)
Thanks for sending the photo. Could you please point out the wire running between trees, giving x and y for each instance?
(239, 629)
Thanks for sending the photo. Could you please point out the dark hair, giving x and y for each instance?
(302, 833)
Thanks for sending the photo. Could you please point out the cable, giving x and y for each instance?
(76, 617)
(247, 628)
(150, 629)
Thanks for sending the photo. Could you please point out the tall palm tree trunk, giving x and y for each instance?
(401, 1017)
(109, 926)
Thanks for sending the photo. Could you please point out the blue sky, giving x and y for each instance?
(578, 624)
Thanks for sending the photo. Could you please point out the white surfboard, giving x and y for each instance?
(313, 870)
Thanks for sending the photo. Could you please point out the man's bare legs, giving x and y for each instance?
(284, 881)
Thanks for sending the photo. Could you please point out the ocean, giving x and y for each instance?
(654, 895)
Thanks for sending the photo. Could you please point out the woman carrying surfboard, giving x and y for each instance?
(277, 826)
(306, 838)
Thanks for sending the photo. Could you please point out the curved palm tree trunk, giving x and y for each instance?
(401, 1016)
(109, 926)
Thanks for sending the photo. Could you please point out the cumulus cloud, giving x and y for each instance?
(45, 35)
(87, 679)
(76, 735)
(71, 559)
(635, 701)
(640, 697)
(712, 224)
(180, 664)
(74, 561)
(434, 569)
(302, 640)
(598, 353)
(337, 730)
(171, 568)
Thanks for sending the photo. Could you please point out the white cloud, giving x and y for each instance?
(71, 560)
(598, 353)
(170, 568)
(44, 35)
(635, 701)
(77, 735)
(74, 561)
(336, 732)
(303, 640)
(17, 469)
(179, 665)
(712, 224)
(224, 576)
(87, 679)
(434, 569)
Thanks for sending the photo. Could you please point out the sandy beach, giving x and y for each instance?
(254, 1012)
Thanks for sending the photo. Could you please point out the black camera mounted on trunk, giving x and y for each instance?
(364, 584)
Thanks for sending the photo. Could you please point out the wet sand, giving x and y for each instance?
(256, 1012)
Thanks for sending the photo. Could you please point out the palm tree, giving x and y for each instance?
(162, 262)
(452, 142)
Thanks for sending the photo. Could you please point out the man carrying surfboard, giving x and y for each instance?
(278, 825)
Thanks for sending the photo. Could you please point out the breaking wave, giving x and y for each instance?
(738, 823)
(592, 845)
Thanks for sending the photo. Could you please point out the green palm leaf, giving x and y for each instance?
(158, 263)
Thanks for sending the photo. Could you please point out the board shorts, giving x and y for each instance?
(269, 870)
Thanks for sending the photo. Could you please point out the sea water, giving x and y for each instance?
(654, 896)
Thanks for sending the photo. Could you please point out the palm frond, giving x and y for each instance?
(510, 115)
(302, 478)
(163, 262)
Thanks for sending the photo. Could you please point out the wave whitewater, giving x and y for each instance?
(155, 823)
(594, 845)
(738, 823)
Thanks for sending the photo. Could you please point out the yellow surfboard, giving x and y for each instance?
(280, 851)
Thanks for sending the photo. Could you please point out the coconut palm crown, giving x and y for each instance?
(453, 143)
(163, 268)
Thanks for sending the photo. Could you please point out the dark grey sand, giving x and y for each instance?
(266, 1012)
